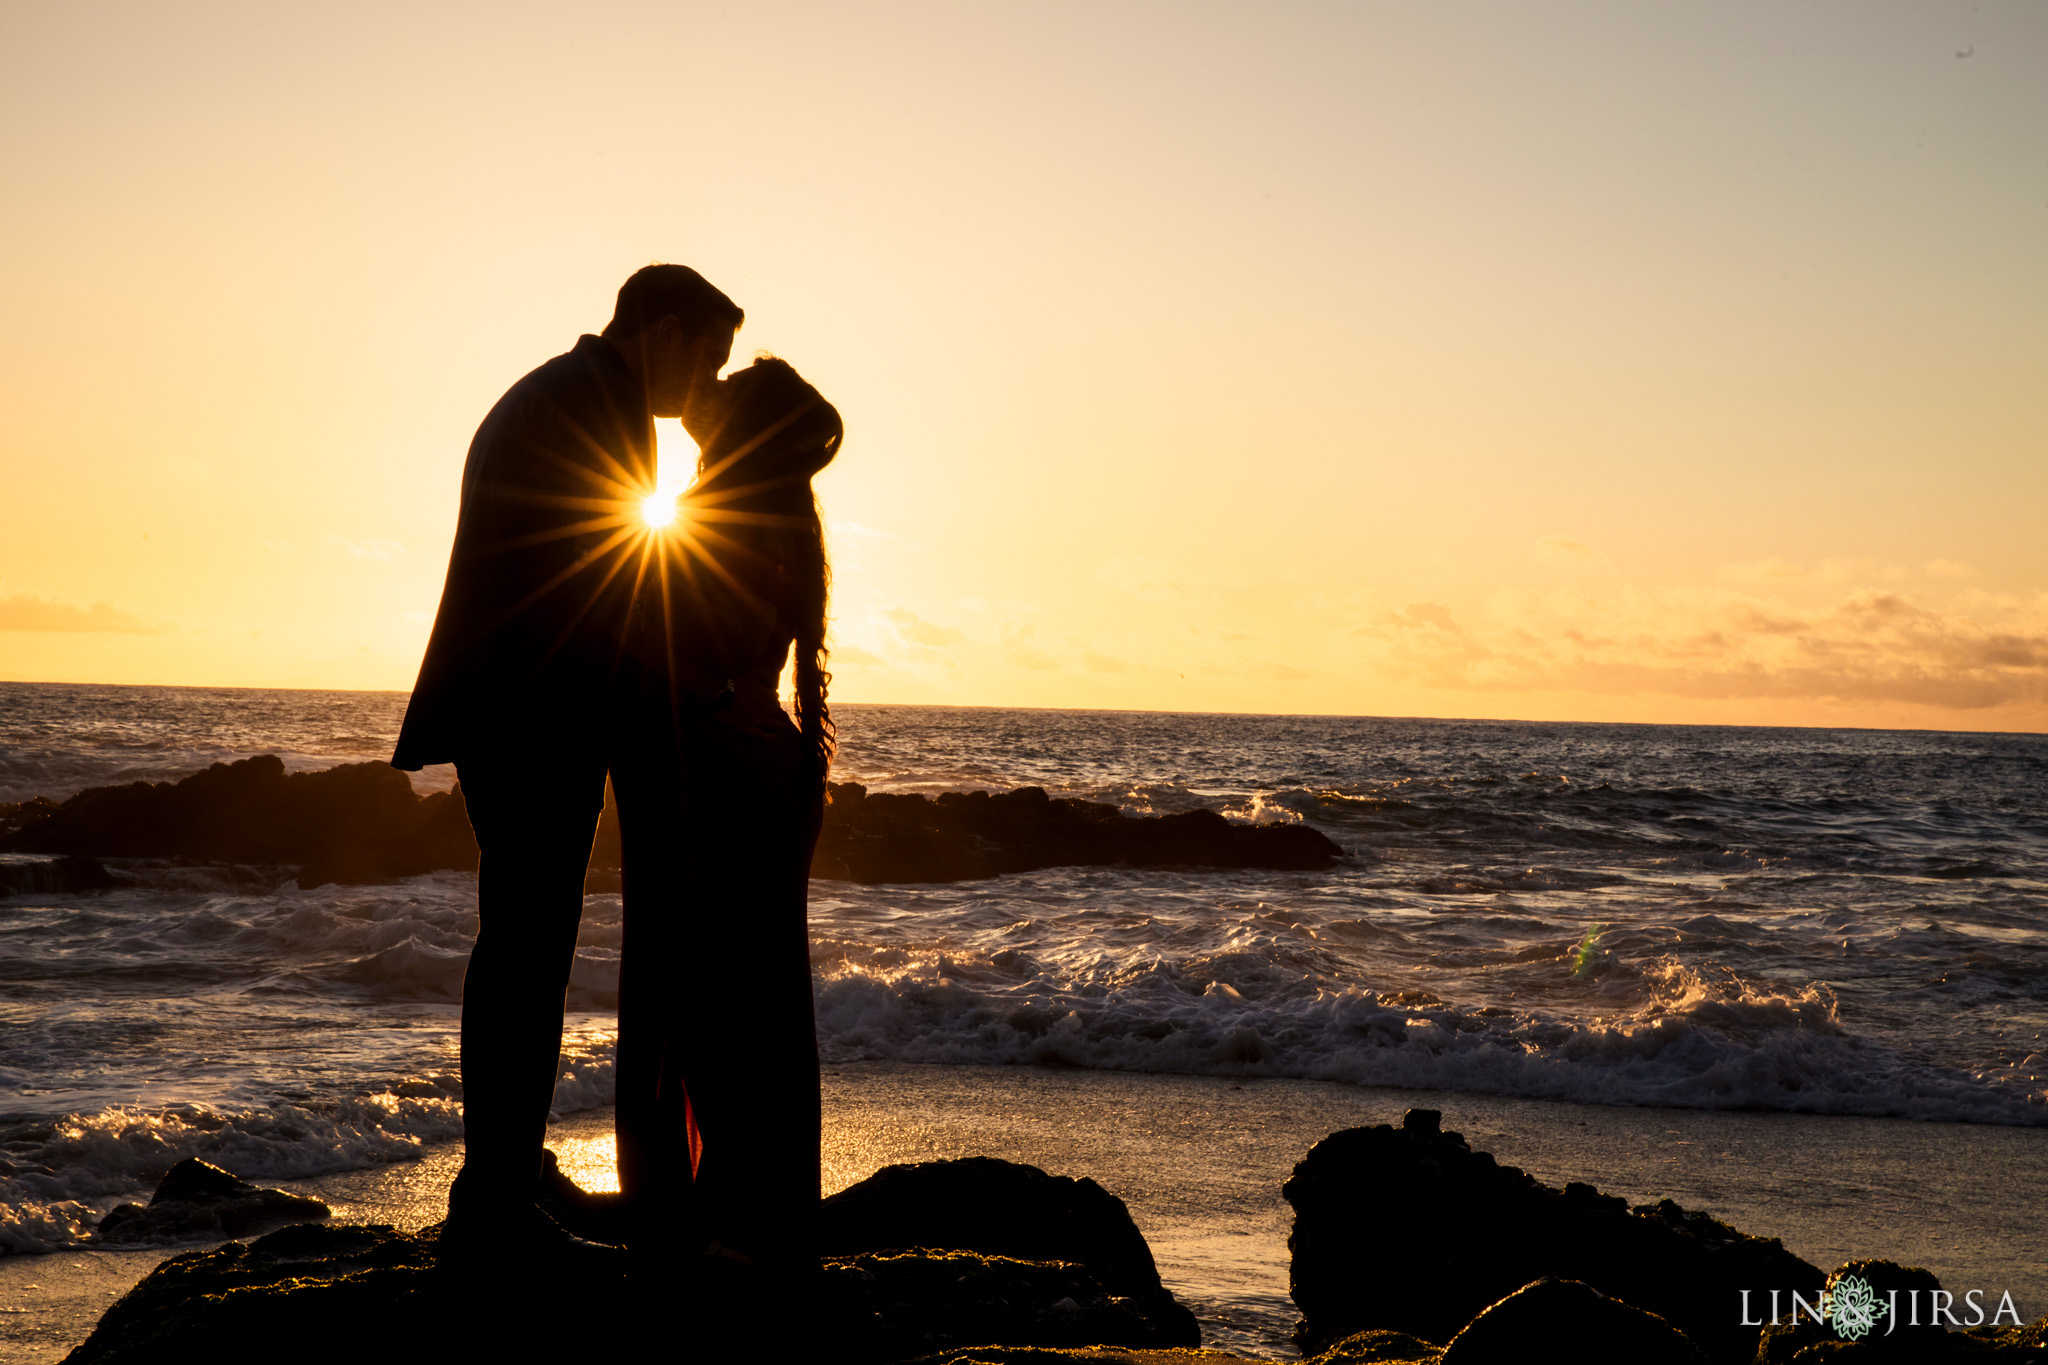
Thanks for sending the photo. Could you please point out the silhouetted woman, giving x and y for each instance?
(718, 1066)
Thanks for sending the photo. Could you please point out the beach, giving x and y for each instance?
(1788, 977)
(1200, 1160)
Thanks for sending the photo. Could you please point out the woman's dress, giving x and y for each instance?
(718, 1111)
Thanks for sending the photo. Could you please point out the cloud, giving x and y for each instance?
(1565, 550)
(1155, 582)
(33, 611)
(1434, 614)
(1416, 616)
(920, 631)
(1825, 573)
(1764, 571)
(850, 542)
(371, 548)
(1865, 645)
(854, 654)
(1947, 568)
(1021, 646)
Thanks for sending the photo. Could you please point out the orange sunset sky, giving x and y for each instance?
(1673, 362)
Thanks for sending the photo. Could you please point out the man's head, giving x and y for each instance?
(676, 331)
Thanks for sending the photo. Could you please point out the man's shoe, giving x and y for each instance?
(510, 1230)
(520, 1237)
(595, 1217)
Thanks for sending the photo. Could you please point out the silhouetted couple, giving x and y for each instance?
(578, 637)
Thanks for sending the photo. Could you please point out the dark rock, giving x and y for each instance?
(891, 1305)
(195, 1200)
(1001, 1208)
(1004, 1209)
(361, 822)
(317, 1290)
(56, 876)
(1075, 1355)
(1410, 1230)
(1381, 1348)
(356, 1243)
(16, 816)
(1072, 1355)
(961, 835)
(1568, 1320)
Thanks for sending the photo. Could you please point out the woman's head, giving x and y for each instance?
(754, 478)
(775, 432)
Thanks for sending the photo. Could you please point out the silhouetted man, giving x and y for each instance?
(537, 681)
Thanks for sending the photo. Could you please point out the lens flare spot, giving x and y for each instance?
(658, 510)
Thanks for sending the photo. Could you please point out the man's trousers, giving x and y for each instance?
(717, 1038)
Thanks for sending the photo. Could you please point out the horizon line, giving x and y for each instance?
(1140, 711)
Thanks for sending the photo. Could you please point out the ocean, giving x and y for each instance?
(1819, 922)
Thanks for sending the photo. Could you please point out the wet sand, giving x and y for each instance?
(1200, 1161)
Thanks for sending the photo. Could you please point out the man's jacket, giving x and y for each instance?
(542, 575)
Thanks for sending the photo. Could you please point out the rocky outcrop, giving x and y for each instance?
(1004, 1209)
(1577, 1322)
(199, 1200)
(1408, 1229)
(889, 1306)
(1566, 1320)
(315, 1292)
(1078, 1355)
(361, 823)
(962, 835)
(356, 823)
(1376, 1347)
(1380, 1207)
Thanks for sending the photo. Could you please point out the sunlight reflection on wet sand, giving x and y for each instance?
(589, 1159)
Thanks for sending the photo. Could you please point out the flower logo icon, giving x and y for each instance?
(1853, 1308)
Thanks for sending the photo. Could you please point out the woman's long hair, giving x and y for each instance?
(756, 471)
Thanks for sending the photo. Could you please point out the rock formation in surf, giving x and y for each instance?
(1377, 1212)
(197, 1199)
(1002, 1208)
(1602, 1331)
(318, 1290)
(961, 835)
(361, 823)
(1408, 1229)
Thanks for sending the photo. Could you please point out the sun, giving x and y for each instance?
(658, 510)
